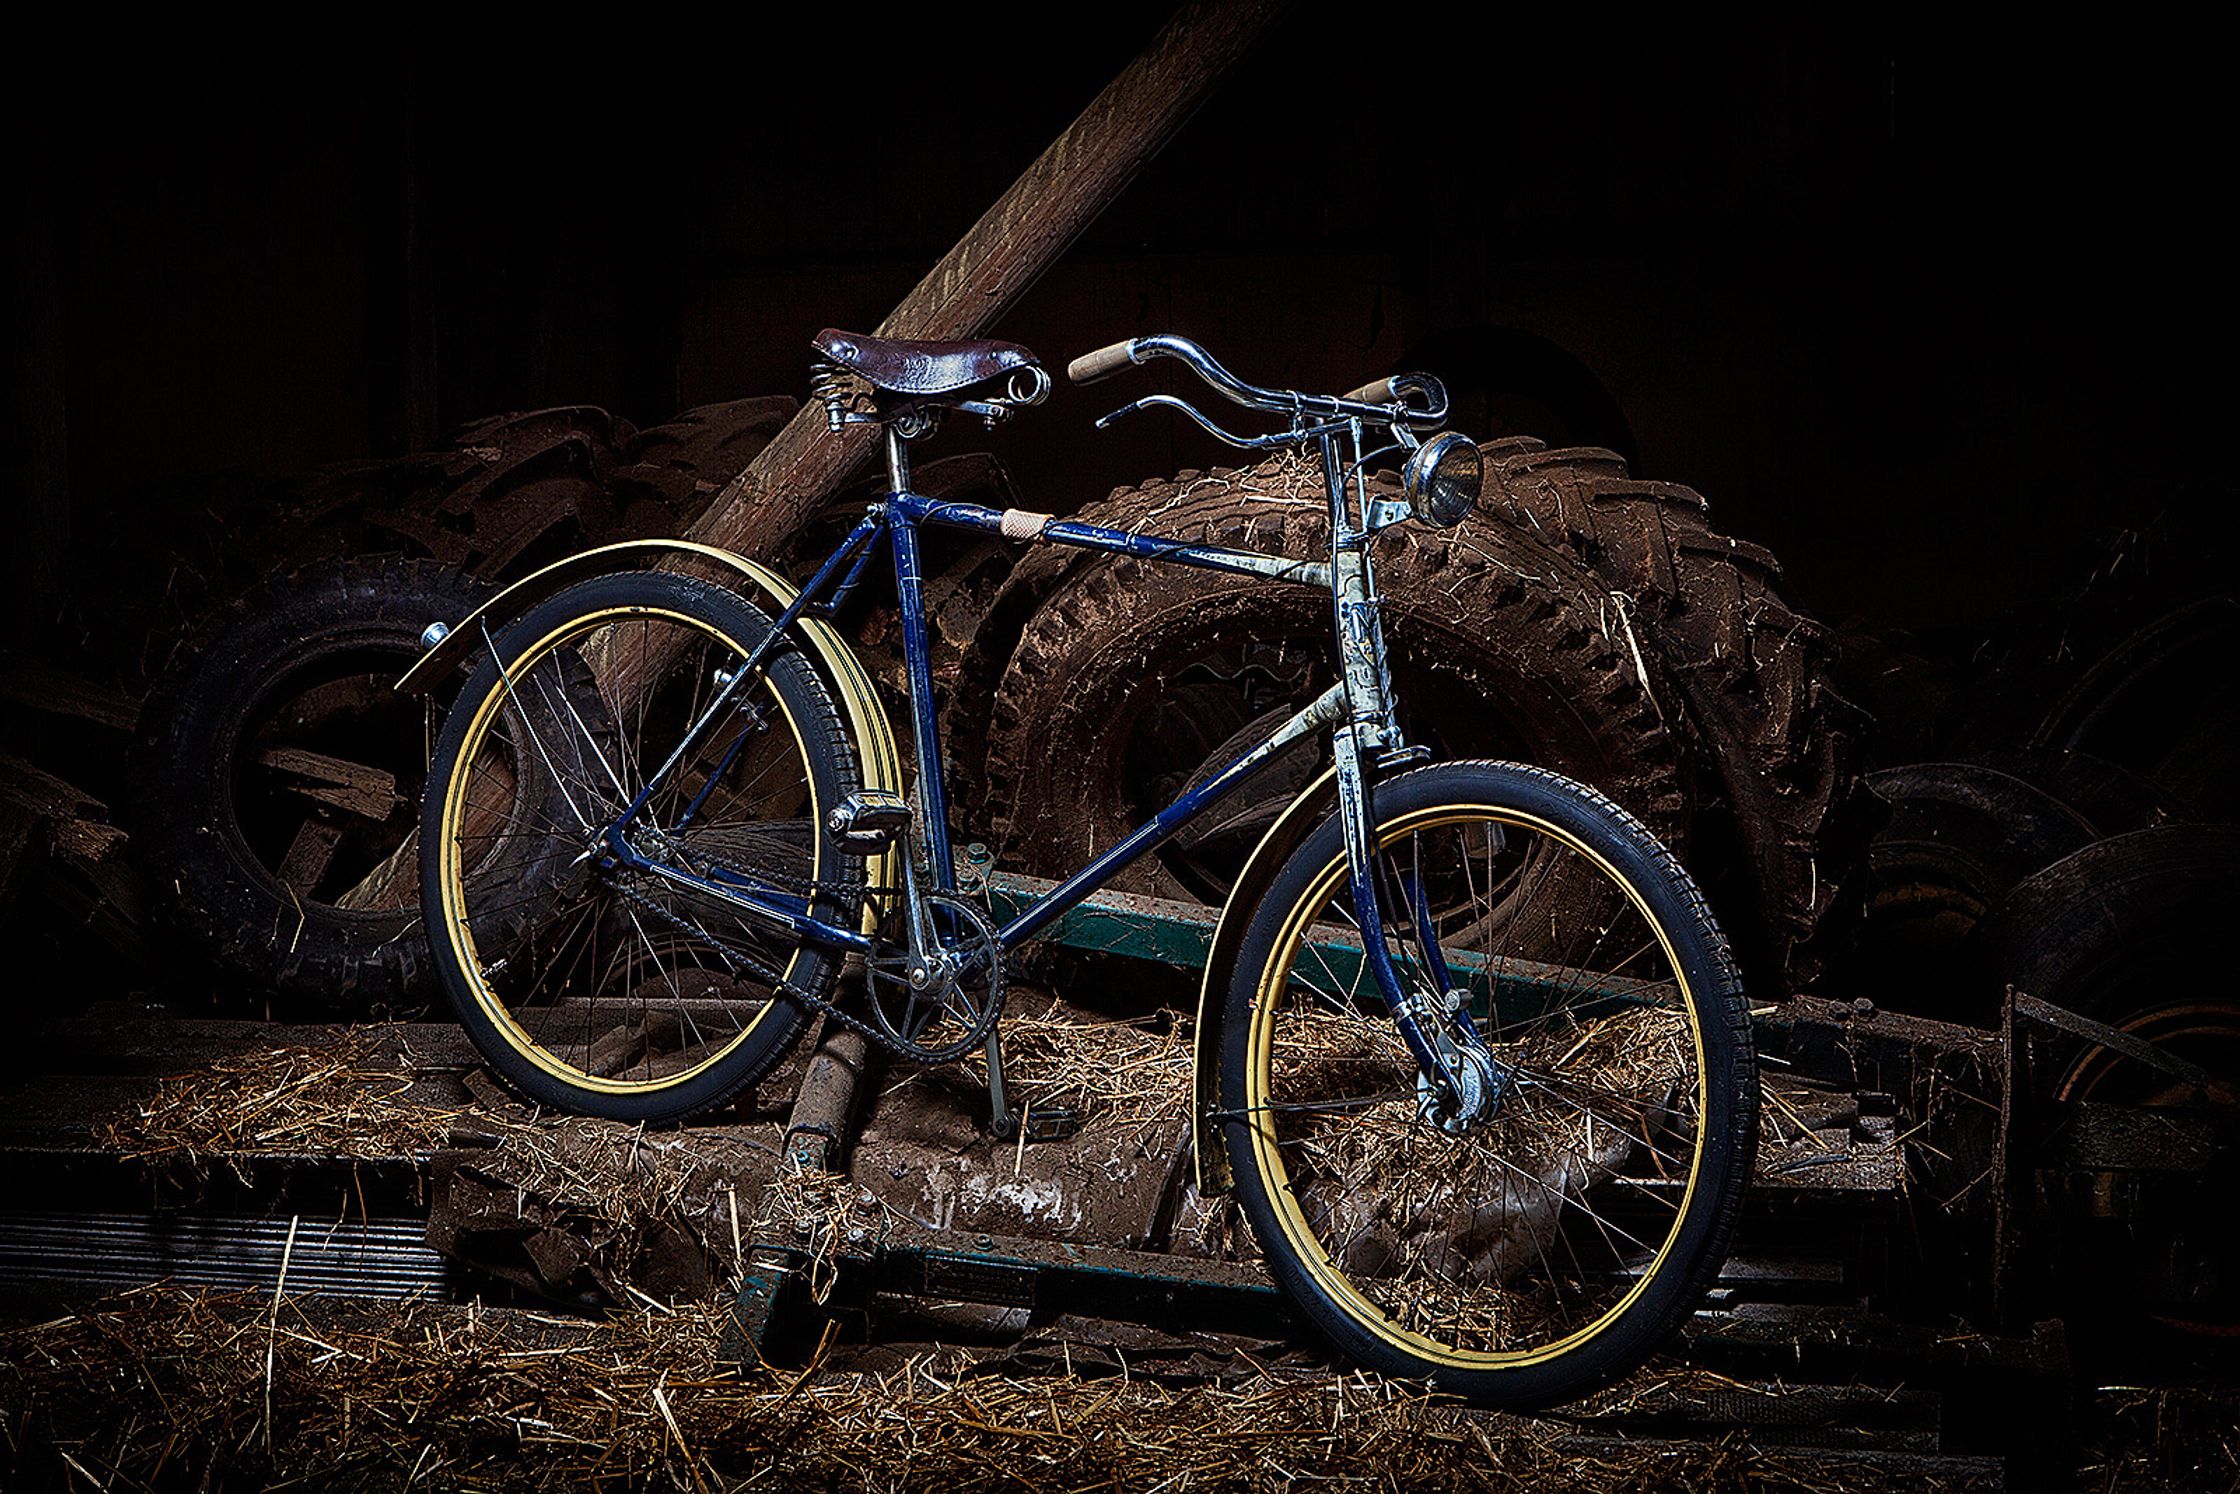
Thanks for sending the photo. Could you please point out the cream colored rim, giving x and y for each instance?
(1266, 1155)
(454, 888)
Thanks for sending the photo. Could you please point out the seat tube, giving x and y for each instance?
(909, 586)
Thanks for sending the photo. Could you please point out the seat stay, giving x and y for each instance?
(741, 675)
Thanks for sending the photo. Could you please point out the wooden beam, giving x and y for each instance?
(1045, 210)
(362, 790)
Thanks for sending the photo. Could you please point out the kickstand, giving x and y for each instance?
(1042, 1122)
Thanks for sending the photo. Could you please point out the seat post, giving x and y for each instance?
(898, 457)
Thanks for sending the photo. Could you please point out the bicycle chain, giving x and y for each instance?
(768, 974)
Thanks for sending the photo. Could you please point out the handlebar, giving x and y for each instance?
(1384, 400)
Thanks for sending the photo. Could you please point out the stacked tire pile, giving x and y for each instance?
(276, 775)
(2065, 856)
(1582, 619)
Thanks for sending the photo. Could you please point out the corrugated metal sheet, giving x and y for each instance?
(377, 1258)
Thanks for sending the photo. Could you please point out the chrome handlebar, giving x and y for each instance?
(1386, 400)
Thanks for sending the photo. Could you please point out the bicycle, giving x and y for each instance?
(1471, 1050)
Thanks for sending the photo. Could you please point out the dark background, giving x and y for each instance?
(1936, 313)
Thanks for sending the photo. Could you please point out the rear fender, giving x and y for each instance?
(843, 673)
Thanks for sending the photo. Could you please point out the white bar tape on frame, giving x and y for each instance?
(1018, 524)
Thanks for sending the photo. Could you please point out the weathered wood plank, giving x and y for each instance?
(1003, 254)
(359, 788)
(76, 821)
(39, 686)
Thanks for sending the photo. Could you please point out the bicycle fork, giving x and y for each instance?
(1459, 1082)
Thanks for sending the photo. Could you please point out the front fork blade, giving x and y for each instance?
(1458, 1032)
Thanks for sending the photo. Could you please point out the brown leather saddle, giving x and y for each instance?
(901, 366)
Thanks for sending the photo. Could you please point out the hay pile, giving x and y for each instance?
(359, 1097)
(1129, 1076)
(222, 1391)
(615, 1192)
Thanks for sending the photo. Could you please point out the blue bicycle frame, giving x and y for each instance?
(1358, 711)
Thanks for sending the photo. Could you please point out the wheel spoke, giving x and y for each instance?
(1501, 1233)
(607, 982)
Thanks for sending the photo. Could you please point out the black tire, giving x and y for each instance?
(1756, 678)
(302, 666)
(1129, 677)
(583, 990)
(1400, 1242)
(2122, 932)
(1960, 836)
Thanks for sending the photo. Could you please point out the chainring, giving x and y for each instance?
(965, 993)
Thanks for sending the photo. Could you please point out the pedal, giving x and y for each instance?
(869, 819)
(1051, 1122)
(1040, 1122)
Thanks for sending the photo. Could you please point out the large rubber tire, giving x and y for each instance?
(1496, 650)
(1754, 675)
(1960, 836)
(218, 824)
(2128, 931)
(1399, 1256)
(503, 871)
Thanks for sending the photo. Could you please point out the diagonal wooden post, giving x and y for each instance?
(1045, 210)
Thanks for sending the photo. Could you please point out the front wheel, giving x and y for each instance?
(1545, 1247)
(587, 985)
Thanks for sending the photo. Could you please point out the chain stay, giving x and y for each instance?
(741, 962)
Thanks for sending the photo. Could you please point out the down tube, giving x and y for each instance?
(1326, 709)
(925, 725)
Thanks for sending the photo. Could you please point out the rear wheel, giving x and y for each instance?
(1536, 1252)
(602, 990)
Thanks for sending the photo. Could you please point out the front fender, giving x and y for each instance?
(843, 673)
(1298, 820)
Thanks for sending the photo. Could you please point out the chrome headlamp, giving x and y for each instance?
(1443, 479)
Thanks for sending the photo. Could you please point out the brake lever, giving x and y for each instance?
(1247, 443)
(1104, 422)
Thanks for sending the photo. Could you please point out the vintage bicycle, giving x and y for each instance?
(1471, 1050)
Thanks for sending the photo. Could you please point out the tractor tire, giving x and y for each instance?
(1130, 680)
(1754, 676)
(1568, 553)
(276, 769)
